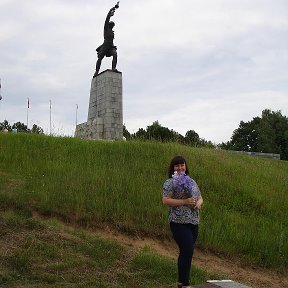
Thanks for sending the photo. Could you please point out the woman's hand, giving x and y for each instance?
(199, 203)
(190, 201)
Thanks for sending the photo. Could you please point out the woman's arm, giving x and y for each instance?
(178, 202)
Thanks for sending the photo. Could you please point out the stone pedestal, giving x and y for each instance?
(105, 114)
(221, 284)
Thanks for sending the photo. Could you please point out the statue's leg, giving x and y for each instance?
(114, 61)
(98, 65)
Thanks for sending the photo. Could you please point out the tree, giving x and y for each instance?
(206, 144)
(274, 131)
(36, 129)
(192, 138)
(126, 133)
(21, 127)
(5, 125)
(268, 134)
(159, 133)
(141, 134)
(245, 138)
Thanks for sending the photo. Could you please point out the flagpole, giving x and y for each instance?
(27, 111)
(50, 116)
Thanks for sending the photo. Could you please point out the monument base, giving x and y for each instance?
(105, 113)
(90, 129)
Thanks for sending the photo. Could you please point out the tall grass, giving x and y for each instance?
(120, 184)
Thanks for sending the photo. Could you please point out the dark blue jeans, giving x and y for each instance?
(185, 236)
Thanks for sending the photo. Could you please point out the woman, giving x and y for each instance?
(183, 215)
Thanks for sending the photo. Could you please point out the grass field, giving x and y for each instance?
(39, 254)
(97, 183)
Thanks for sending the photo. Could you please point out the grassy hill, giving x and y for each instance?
(99, 183)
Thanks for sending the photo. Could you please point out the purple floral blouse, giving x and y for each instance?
(181, 214)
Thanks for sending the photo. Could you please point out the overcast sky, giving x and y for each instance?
(200, 65)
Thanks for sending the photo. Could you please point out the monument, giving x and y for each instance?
(105, 113)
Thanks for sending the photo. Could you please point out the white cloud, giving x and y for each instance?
(220, 61)
(217, 118)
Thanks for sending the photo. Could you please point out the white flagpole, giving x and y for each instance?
(50, 115)
(76, 113)
(0, 90)
(28, 104)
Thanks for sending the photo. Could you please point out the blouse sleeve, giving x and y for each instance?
(167, 188)
(195, 189)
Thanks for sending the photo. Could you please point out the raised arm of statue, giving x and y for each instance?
(110, 14)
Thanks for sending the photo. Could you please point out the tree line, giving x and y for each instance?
(20, 127)
(157, 132)
(266, 134)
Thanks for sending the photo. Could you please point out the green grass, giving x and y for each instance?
(97, 183)
(148, 265)
(37, 253)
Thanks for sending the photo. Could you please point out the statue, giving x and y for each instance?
(107, 48)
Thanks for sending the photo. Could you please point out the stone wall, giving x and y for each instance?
(92, 129)
(258, 154)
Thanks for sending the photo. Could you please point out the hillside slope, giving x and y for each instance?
(95, 184)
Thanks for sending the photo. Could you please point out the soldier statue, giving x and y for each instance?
(107, 48)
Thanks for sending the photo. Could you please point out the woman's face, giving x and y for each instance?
(180, 168)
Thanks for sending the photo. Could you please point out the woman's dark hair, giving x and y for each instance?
(175, 161)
